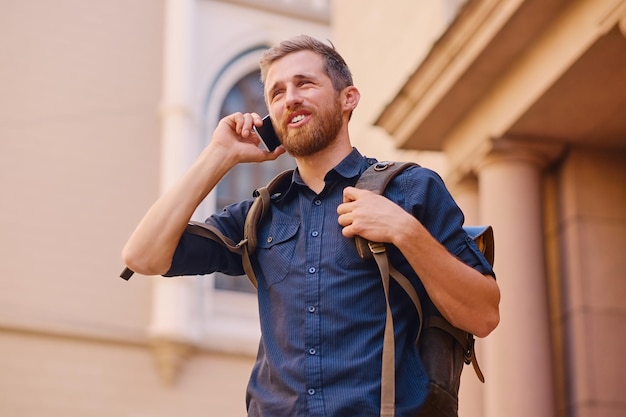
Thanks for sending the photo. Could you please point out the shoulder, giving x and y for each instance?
(421, 191)
(230, 219)
(421, 180)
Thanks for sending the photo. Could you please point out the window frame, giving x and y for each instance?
(230, 318)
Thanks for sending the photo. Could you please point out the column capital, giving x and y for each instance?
(170, 356)
(538, 153)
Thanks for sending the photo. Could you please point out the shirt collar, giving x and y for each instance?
(351, 167)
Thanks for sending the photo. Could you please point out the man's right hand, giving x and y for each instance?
(235, 136)
(151, 246)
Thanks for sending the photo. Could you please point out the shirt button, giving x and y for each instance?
(311, 270)
(317, 202)
(312, 351)
(311, 309)
(269, 239)
(311, 391)
(315, 233)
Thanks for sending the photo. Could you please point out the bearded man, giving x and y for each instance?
(322, 308)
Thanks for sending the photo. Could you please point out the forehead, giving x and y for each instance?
(293, 65)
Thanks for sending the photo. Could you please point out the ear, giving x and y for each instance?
(351, 97)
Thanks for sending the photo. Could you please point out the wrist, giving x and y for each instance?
(407, 232)
(217, 157)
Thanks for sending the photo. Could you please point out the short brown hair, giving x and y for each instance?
(336, 68)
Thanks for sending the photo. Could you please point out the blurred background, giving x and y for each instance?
(520, 105)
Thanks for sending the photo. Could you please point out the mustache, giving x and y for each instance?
(294, 112)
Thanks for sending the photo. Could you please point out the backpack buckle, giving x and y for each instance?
(376, 247)
(383, 165)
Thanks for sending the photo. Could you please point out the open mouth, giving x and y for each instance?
(297, 119)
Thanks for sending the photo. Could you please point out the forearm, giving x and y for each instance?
(466, 298)
(151, 246)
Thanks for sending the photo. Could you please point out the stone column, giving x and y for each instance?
(472, 391)
(517, 355)
(174, 328)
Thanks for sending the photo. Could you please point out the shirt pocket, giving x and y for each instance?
(346, 254)
(276, 247)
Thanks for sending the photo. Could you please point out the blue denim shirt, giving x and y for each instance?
(322, 308)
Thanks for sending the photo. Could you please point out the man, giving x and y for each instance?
(322, 308)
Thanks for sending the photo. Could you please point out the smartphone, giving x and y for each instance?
(267, 134)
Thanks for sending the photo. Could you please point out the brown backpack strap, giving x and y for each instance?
(259, 208)
(376, 178)
(205, 230)
(388, 371)
(249, 232)
(465, 339)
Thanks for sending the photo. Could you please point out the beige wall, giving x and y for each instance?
(382, 45)
(80, 89)
(52, 376)
(78, 124)
(593, 235)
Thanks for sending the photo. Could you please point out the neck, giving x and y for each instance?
(313, 169)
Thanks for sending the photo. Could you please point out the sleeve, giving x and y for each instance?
(196, 255)
(428, 199)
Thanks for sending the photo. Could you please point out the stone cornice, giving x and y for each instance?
(478, 47)
(539, 153)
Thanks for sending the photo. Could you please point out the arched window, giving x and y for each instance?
(245, 96)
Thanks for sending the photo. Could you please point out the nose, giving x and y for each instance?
(292, 97)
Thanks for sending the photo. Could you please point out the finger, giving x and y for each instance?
(351, 194)
(344, 219)
(248, 122)
(256, 119)
(344, 208)
(276, 153)
(347, 232)
(234, 122)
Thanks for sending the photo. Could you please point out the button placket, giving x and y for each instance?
(313, 235)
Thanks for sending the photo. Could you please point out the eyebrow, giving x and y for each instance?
(296, 77)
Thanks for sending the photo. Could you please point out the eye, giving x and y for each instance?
(276, 93)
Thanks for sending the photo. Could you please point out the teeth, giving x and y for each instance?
(297, 119)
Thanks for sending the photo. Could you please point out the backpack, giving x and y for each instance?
(443, 348)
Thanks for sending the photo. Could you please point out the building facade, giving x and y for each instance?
(525, 101)
(519, 104)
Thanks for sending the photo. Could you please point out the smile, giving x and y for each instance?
(297, 118)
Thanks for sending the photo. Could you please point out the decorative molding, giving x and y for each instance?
(170, 356)
(452, 56)
(469, 59)
(312, 10)
(541, 153)
(616, 15)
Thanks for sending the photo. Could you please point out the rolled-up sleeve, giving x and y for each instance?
(197, 255)
(430, 202)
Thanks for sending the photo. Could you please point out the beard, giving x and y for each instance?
(316, 135)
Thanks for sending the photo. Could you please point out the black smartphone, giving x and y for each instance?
(267, 134)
